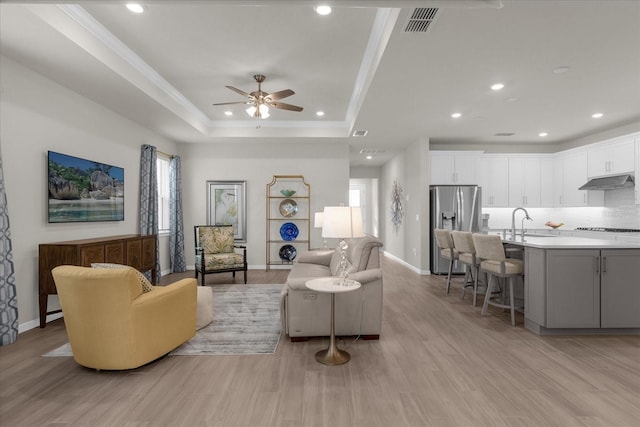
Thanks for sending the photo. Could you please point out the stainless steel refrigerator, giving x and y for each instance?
(453, 207)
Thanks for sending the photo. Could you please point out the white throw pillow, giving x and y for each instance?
(146, 285)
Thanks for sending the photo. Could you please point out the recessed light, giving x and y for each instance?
(497, 86)
(456, 115)
(543, 134)
(135, 7)
(560, 70)
(322, 10)
(369, 157)
(319, 113)
(228, 113)
(597, 115)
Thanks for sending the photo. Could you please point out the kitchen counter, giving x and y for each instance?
(561, 242)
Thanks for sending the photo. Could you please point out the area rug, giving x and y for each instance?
(246, 320)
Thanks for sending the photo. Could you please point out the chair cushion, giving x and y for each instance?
(449, 253)
(511, 266)
(467, 258)
(144, 282)
(216, 240)
(214, 262)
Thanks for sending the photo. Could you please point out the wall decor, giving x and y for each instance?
(81, 190)
(288, 212)
(397, 211)
(226, 205)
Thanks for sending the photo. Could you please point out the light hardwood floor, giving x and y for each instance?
(437, 363)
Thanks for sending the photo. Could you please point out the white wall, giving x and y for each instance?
(324, 165)
(410, 243)
(38, 115)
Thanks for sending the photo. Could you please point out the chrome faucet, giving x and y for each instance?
(513, 221)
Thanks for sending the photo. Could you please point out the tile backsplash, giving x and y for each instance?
(620, 211)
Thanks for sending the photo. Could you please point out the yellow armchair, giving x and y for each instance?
(112, 324)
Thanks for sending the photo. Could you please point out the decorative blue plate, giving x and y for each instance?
(288, 253)
(288, 231)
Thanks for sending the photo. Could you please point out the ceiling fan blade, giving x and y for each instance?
(238, 91)
(284, 106)
(281, 94)
(232, 103)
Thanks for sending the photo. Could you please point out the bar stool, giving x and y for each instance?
(447, 250)
(493, 261)
(463, 242)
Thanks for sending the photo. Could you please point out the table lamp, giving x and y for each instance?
(342, 222)
(318, 221)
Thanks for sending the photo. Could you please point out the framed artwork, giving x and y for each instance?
(81, 190)
(226, 205)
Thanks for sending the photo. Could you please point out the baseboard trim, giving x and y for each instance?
(406, 264)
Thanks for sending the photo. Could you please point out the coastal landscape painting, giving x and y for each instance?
(81, 190)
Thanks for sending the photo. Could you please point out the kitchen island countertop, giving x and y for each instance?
(560, 242)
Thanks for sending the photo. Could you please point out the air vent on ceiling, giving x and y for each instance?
(505, 134)
(372, 151)
(359, 133)
(420, 19)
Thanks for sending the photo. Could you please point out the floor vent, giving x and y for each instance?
(420, 19)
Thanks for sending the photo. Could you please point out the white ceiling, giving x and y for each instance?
(166, 67)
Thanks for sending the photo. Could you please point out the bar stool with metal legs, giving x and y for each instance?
(463, 242)
(493, 261)
(447, 250)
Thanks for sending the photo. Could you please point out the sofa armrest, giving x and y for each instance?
(366, 276)
(321, 256)
(168, 313)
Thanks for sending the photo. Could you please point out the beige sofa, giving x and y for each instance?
(306, 313)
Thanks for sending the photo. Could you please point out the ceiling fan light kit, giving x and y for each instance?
(260, 101)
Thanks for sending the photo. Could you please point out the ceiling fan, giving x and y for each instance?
(260, 101)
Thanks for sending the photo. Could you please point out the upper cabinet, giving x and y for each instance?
(453, 168)
(571, 173)
(493, 177)
(612, 158)
(526, 183)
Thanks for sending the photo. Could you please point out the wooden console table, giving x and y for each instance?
(132, 249)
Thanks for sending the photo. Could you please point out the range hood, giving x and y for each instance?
(609, 183)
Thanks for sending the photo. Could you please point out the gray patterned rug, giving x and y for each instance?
(246, 320)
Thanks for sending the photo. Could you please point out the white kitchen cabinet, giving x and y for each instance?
(493, 176)
(453, 168)
(572, 173)
(525, 175)
(612, 158)
(546, 182)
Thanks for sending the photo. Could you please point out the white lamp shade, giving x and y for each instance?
(342, 222)
(318, 220)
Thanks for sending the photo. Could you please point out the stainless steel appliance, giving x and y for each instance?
(453, 207)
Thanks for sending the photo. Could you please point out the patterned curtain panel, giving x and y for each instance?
(8, 295)
(149, 197)
(176, 232)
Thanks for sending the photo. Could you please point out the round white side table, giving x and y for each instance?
(333, 285)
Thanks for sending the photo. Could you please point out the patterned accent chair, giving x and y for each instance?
(216, 251)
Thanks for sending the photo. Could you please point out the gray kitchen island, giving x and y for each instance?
(579, 285)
